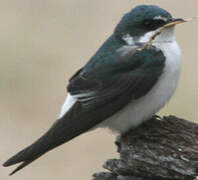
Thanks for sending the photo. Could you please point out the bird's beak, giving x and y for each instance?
(178, 20)
(171, 23)
(175, 21)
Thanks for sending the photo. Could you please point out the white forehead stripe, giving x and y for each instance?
(128, 39)
(160, 18)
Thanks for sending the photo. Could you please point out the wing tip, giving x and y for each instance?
(13, 160)
(7, 163)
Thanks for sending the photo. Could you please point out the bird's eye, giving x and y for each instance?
(147, 23)
(152, 24)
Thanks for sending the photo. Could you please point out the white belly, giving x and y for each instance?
(145, 107)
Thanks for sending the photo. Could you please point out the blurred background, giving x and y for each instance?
(42, 43)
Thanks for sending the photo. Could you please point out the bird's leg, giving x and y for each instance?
(117, 143)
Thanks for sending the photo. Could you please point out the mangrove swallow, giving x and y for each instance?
(121, 86)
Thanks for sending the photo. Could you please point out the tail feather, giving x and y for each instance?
(27, 155)
(25, 163)
(13, 160)
(63, 130)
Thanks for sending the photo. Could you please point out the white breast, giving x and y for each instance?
(145, 107)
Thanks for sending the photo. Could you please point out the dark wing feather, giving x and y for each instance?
(101, 91)
(100, 85)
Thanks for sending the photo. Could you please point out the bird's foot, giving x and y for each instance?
(117, 143)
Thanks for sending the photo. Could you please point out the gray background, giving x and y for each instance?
(42, 43)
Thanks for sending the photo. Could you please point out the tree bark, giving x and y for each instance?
(160, 149)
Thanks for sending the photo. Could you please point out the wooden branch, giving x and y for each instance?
(160, 149)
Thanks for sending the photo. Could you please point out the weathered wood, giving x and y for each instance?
(160, 149)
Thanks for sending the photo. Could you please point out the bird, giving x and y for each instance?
(122, 85)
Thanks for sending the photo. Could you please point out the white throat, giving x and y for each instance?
(142, 109)
(166, 36)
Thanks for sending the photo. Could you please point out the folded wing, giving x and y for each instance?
(99, 92)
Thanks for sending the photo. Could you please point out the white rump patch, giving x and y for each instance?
(69, 102)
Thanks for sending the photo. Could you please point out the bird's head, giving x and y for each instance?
(141, 23)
